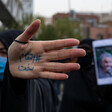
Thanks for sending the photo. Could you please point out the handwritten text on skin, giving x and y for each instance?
(31, 59)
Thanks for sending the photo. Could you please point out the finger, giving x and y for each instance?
(29, 32)
(60, 67)
(52, 75)
(58, 44)
(63, 54)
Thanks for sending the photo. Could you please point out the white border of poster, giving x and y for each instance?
(99, 44)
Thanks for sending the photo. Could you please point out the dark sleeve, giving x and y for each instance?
(18, 85)
(42, 97)
(14, 95)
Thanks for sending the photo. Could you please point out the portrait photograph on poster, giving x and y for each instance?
(102, 50)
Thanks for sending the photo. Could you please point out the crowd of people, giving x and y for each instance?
(29, 68)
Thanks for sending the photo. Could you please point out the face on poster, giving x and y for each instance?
(102, 50)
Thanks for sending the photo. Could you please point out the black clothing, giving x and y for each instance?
(7, 37)
(86, 41)
(1, 84)
(81, 93)
(20, 95)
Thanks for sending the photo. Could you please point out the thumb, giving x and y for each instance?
(29, 32)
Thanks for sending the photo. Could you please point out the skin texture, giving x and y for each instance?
(33, 60)
(3, 50)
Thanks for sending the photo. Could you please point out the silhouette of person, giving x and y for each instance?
(81, 92)
(6, 38)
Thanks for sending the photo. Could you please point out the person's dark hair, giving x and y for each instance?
(87, 60)
(86, 42)
(8, 36)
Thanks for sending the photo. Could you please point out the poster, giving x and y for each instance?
(102, 50)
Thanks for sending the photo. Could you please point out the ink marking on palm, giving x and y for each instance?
(30, 58)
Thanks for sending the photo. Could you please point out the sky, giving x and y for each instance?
(48, 8)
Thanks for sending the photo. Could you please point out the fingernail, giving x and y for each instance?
(78, 42)
(84, 52)
(67, 76)
(78, 66)
(39, 20)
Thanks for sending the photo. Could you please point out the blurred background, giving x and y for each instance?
(59, 18)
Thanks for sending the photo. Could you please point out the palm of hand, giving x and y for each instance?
(33, 60)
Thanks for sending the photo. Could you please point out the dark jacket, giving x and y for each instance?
(20, 95)
(81, 93)
(7, 37)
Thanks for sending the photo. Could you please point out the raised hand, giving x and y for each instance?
(34, 59)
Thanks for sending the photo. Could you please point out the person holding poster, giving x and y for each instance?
(81, 91)
(102, 50)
